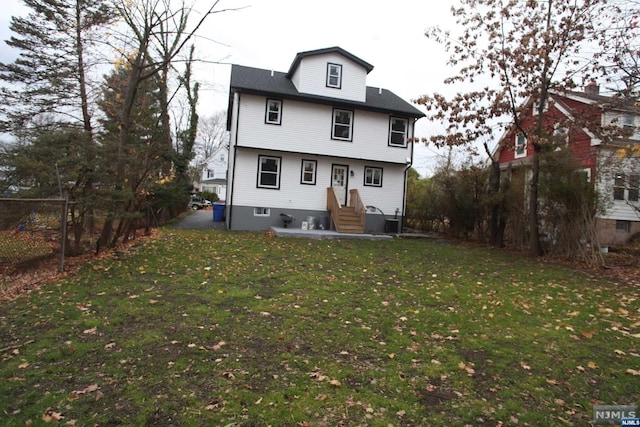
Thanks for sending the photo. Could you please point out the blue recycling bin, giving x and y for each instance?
(218, 211)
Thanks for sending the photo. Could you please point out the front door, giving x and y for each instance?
(339, 175)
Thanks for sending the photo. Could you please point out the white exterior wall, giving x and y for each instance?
(311, 77)
(609, 165)
(306, 128)
(612, 118)
(294, 195)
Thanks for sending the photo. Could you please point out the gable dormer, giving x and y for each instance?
(332, 72)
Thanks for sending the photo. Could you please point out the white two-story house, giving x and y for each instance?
(317, 144)
(213, 178)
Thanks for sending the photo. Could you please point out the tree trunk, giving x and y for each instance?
(535, 247)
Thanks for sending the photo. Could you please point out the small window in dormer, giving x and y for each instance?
(273, 115)
(334, 75)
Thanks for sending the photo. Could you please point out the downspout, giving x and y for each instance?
(233, 145)
(406, 171)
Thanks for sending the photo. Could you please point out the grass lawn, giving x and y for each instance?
(209, 328)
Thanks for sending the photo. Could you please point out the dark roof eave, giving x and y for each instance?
(330, 101)
(335, 49)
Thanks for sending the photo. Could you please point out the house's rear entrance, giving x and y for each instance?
(339, 175)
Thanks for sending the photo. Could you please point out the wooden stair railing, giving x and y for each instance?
(346, 219)
(358, 205)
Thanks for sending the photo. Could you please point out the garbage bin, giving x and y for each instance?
(311, 220)
(323, 223)
(218, 211)
(391, 225)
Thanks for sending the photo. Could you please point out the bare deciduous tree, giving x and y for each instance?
(509, 51)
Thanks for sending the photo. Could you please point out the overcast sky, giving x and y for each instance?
(268, 34)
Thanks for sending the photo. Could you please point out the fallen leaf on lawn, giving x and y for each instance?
(592, 365)
(587, 334)
(633, 372)
(469, 368)
(110, 346)
(552, 382)
(91, 331)
(50, 415)
(228, 375)
(218, 346)
(580, 368)
(23, 365)
(619, 352)
(89, 389)
(265, 313)
(392, 355)
(524, 366)
(335, 383)
(257, 402)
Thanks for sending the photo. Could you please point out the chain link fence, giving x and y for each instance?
(32, 238)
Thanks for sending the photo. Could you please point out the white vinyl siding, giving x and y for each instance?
(311, 77)
(307, 129)
(612, 184)
(312, 197)
(625, 121)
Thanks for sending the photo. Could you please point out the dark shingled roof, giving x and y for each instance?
(262, 82)
(610, 102)
(339, 50)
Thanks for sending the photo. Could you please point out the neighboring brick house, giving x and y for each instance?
(616, 177)
(318, 144)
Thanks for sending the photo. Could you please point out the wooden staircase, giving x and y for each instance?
(346, 219)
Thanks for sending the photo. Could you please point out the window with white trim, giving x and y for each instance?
(398, 132)
(273, 115)
(308, 174)
(342, 125)
(372, 176)
(269, 172)
(334, 75)
(626, 187)
(261, 211)
(520, 147)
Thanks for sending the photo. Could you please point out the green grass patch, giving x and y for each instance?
(222, 328)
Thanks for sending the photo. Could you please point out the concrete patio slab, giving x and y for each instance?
(326, 234)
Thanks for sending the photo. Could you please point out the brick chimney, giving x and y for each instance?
(592, 88)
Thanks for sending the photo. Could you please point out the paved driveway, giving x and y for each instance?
(200, 220)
